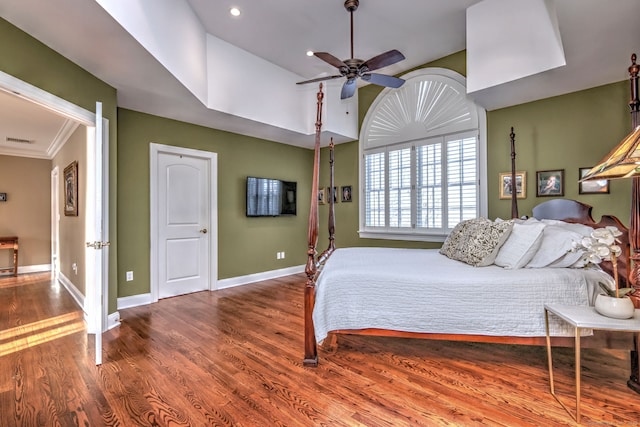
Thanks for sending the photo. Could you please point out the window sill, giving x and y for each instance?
(396, 235)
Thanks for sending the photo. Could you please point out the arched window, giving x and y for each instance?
(423, 159)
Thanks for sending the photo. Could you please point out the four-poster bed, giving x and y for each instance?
(566, 211)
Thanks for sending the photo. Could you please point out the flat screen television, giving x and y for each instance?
(270, 197)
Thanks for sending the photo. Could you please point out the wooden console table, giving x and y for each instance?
(10, 243)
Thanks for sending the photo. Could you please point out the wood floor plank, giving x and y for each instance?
(234, 358)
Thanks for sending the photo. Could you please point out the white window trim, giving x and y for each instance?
(413, 235)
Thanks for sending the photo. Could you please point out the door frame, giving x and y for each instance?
(155, 150)
(55, 222)
(96, 313)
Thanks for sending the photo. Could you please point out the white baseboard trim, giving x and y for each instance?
(257, 277)
(113, 320)
(134, 301)
(69, 286)
(144, 299)
(24, 269)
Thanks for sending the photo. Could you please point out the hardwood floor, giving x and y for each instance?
(234, 358)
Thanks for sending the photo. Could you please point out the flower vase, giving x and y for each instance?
(617, 308)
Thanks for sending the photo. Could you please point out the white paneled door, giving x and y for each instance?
(97, 228)
(184, 229)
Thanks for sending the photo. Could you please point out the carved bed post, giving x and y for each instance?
(332, 215)
(332, 202)
(310, 348)
(514, 184)
(634, 226)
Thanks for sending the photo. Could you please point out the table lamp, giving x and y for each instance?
(624, 162)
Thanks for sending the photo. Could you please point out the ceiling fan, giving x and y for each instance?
(353, 68)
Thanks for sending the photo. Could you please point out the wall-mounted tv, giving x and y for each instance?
(270, 197)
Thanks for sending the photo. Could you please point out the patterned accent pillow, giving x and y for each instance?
(480, 241)
(450, 245)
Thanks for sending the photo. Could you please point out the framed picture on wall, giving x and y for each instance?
(550, 183)
(598, 186)
(506, 186)
(345, 192)
(322, 196)
(71, 189)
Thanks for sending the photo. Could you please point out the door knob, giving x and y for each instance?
(203, 231)
(97, 245)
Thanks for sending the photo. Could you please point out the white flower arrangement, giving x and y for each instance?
(603, 245)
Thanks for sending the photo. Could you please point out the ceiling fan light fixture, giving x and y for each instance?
(309, 53)
(353, 68)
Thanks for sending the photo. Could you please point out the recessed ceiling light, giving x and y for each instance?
(309, 53)
(234, 11)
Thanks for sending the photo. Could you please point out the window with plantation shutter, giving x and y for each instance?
(375, 189)
(400, 188)
(423, 154)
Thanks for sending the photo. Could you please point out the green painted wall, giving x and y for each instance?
(564, 132)
(27, 59)
(245, 245)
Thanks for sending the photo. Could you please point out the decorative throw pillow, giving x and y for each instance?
(480, 241)
(521, 246)
(451, 242)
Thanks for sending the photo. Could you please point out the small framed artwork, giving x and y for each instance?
(598, 186)
(322, 196)
(550, 183)
(345, 192)
(71, 189)
(3, 197)
(506, 187)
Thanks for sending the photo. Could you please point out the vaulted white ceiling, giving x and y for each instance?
(265, 49)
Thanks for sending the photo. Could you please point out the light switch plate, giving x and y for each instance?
(3, 197)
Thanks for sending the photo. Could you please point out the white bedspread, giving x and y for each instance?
(420, 290)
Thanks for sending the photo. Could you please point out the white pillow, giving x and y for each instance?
(521, 246)
(585, 230)
(555, 248)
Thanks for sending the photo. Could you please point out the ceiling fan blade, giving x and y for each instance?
(320, 79)
(383, 80)
(382, 60)
(348, 89)
(330, 59)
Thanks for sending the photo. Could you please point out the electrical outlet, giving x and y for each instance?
(129, 276)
